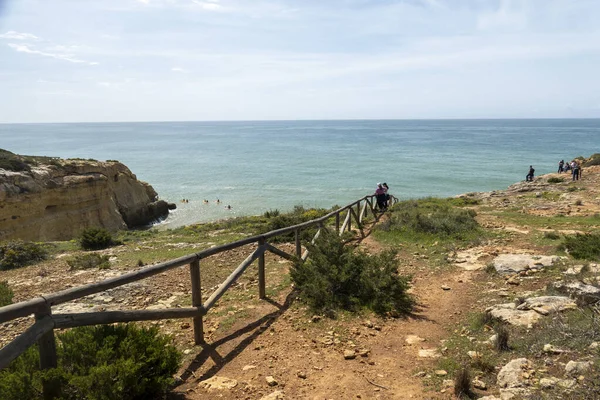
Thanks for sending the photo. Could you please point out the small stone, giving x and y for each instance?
(478, 384)
(594, 345)
(218, 382)
(567, 383)
(446, 287)
(278, 395)
(315, 318)
(413, 339)
(420, 374)
(548, 383)
(363, 352)
(429, 353)
(574, 368)
(368, 324)
(185, 325)
(548, 348)
(248, 367)
(271, 381)
(349, 354)
(187, 351)
(301, 375)
(441, 372)
(474, 355)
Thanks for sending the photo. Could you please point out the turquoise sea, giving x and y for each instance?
(259, 166)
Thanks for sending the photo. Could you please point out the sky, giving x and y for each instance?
(197, 60)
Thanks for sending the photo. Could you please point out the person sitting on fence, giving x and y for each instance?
(380, 195)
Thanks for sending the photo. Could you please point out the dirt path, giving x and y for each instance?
(306, 356)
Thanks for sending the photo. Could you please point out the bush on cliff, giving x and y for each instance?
(96, 239)
(276, 220)
(17, 254)
(6, 294)
(337, 276)
(102, 362)
(12, 162)
(593, 160)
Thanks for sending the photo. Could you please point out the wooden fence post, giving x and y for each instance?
(48, 357)
(337, 223)
(298, 244)
(350, 219)
(197, 300)
(261, 271)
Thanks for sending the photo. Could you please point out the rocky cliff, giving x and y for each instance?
(45, 198)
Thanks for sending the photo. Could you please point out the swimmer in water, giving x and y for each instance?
(228, 207)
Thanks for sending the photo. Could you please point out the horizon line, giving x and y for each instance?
(305, 120)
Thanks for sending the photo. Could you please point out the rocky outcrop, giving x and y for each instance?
(56, 199)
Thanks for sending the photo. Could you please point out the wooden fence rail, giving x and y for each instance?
(42, 331)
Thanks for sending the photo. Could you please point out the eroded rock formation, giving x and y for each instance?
(55, 199)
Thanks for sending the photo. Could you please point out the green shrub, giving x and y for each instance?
(17, 254)
(582, 247)
(551, 235)
(87, 261)
(554, 179)
(272, 213)
(96, 239)
(12, 162)
(275, 221)
(103, 362)
(338, 277)
(6, 294)
(433, 217)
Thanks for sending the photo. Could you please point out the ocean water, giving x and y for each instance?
(260, 166)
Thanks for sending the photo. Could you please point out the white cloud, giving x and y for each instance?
(23, 48)
(18, 36)
(209, 5)
(507, 16)
(144, 1)
(178, 69)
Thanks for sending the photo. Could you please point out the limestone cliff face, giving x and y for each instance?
(57, 200)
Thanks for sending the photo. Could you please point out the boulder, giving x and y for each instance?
(576, 368)
(511, 375)
(508, 313)
(547, 304)
(582, 293)
(508, 264)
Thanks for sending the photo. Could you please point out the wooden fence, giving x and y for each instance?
(42, 331)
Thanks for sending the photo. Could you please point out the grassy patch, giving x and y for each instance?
(432, 220)
(555, 179)
(87, 261)
(558, 222)
(6, 294)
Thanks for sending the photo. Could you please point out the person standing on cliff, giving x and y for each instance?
(529, 176)
(561, 164)
(387, 196)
